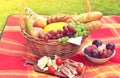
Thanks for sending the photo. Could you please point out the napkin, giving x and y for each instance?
(76, 41)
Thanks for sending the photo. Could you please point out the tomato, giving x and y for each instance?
(79, 69)
(59, 61)
(51, 69)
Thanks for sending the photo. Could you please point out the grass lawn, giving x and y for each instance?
(8, 7)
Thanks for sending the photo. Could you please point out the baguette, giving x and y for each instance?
(93, 26)
(88, 17)
(59, 18)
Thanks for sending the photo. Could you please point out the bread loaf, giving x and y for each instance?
(92, 26)
(88, 17)
(59, 18)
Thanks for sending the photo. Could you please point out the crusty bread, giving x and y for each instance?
(88, 17)
(92, 26)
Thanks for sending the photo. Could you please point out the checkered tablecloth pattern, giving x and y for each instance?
(13, 48)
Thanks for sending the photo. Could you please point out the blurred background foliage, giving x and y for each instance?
(50, 7)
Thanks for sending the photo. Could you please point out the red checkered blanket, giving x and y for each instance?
(13, 48)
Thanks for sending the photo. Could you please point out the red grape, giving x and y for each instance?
(74, 32)
(62, 35)
(41, 35)
(49, 35)
(52, 32)
(69, 34)
(58, 35)
(65, 28)
(70, 28)
(46, 38)
(59, 31)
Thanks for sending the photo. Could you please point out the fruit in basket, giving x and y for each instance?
(40, 22)
(36, 31)
(62, 35)
(55, 26)
(73, 30)
(69, 31)
(63, 40)
(80, 29)
(29, 25)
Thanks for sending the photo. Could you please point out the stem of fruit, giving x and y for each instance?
(31, 13)
(88, 5)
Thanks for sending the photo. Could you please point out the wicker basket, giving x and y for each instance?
(41, 48)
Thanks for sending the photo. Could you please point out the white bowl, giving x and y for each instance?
(97, 60)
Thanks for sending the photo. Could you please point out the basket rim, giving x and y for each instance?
(51, 42)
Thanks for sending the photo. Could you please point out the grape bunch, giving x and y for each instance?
(80, 29)
(63, 40)
(64, 35)
(71, 30)
(68, 32)
(51, 35)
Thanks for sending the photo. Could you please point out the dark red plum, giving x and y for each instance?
(97, 43)
(95, 53)
(110, 46)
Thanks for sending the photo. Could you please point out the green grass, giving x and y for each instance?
(49, 7)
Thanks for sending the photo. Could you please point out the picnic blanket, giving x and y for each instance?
(13, 48)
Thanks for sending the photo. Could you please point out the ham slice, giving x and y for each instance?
(66, 71)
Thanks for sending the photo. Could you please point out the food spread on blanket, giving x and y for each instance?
(61, 27)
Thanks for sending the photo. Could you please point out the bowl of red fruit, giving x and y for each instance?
(99, 53)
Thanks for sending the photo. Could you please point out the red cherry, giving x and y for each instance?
(51, 69)
(59, 61)
(79, 70)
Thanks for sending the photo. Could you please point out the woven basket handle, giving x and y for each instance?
(88, 5)
(21, 13)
